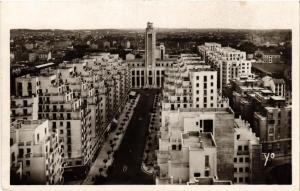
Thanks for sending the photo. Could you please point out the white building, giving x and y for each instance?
(277, 86)
(230, 63)
(38, 152)
(178, 130)
(190, 83)
(244, 141)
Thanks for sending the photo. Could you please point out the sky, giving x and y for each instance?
(91, 14)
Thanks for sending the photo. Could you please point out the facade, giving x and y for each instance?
(192, 160)
(36, 153)
(216, 121)
(274, 126)
(190, 83)
(148, 72)
(277, 86)
(245, 144)
(79, 99)
(24, 108)
(271, 57)
(230, 63)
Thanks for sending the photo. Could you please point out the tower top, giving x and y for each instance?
(149, 25)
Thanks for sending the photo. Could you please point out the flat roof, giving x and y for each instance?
(193, 139)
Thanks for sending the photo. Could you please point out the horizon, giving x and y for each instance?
(156, 28)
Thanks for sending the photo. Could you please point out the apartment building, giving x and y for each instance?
(62, 104)
(190, 83)
(277, 86)
(274, 125)
(24, 108)
(270, 57)
(230, 63)
(247, 154)
(36, 153)
(217, 121)
(192, 160)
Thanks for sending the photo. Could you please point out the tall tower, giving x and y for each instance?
(150, 43)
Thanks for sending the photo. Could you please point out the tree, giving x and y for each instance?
(112, 146)
(100, 170)
(105, 161)
(108, 153)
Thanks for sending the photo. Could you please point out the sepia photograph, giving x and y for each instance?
(135, 93)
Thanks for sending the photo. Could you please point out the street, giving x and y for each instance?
(126, 168)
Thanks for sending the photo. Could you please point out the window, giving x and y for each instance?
(235, 169)
(241, 159)
(205, 78)
(197, 174)
(61, 131)
(21, 152)
(197, 84)
(61, 123)
(173, 147)
(240, 148)
(27, 162)
(234, 159)
(235, 180)
(197, 98)
(247, 169)
(206, 160)
(197, 123)
(28, 150)
(240, 169)
(211, 84)
(241, 179)
(246, 147)
(197, 77)
(205, 85)
(211, 77)
(238, 137)
(247, 159)
(197, 92)
(68, 124)
(207, 173)
(25, 103)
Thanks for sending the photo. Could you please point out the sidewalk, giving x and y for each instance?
(104, 160)
(149, 157)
